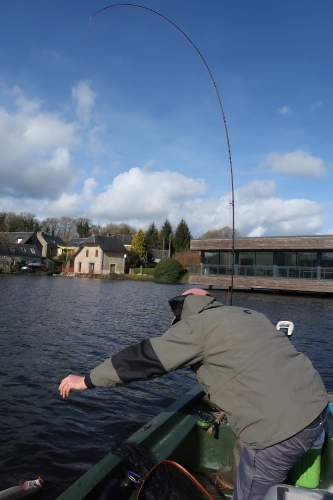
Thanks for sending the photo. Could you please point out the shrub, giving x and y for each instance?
(168, 271)
(187, 258)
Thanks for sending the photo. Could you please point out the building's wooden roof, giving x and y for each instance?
(269, 243)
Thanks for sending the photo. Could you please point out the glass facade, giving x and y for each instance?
(270, 264)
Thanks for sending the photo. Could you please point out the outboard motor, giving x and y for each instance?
(287, 327)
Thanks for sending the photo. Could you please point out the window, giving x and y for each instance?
(327, 259)
(307, 259)
(23, 249)
(91, 267)
(32, 250)
(12, 249)
(286, 259)
(247, 258)
(264, 258)
(112, 268)
(80, 266)
(211, 257)
(87, 253)
(96, 253)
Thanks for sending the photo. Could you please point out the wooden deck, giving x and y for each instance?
(240, 282)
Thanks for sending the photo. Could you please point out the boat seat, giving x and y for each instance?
(286, 492)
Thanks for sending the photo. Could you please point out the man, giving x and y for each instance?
(274, 400)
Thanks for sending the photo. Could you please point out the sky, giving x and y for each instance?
(111, 113)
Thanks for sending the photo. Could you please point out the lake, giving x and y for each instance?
(53, 326)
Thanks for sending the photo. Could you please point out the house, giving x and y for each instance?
(52, 246)
(99, 255)
(23, 237)
(73, 246)
(16, 255)
(297, 263)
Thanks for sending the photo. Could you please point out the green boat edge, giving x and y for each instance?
(168, 435)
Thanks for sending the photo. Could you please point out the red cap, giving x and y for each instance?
(191, 291)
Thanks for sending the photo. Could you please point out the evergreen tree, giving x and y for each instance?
(182, 237)
(139, 245)
(152, 238)
(166, 236)
(83, 228)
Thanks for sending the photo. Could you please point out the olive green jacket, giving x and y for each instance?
(250, 370)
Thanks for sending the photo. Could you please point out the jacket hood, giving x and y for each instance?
(195, 304)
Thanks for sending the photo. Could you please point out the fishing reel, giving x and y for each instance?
(210, 421)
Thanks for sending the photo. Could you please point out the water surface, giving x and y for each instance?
(53, 326)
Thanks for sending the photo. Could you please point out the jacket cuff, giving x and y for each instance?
(88, 382)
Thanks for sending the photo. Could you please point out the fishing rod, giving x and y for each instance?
(232, 203)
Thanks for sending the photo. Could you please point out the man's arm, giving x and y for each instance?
(154, 357)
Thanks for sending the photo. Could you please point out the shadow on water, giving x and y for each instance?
(51, 327)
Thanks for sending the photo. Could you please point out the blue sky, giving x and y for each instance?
(127, 127)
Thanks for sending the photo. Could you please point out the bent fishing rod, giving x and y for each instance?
(232, 203)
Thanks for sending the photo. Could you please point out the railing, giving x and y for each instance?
(327, 273)
(284, 272)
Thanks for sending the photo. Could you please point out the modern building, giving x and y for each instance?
(299, 263)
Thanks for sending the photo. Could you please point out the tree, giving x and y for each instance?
(152, 238)
(132, 260)
(182, 238)
(216, 234)
(168, 271)
(121, 228)
(139, 245)
(51, 226)
(83, 228)
(25, 222)
(67, 228)
(166, 235)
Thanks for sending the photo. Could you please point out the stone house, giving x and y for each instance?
(52, 246)
(99, 255)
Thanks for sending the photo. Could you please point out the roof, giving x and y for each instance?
(21, 250)
(19, 235)
(76, 242)
(291, 243)
(53, 240)
(106, 243)
(126, 239)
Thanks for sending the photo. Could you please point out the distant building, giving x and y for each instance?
(98, 255)
(299, 263)
(16, 255)
(52, 245)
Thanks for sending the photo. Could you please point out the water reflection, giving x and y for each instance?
(54, 326)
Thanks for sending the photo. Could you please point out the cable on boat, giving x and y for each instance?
(232, 203)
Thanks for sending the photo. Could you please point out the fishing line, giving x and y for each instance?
(232, 203)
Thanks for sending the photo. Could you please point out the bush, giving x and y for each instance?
(168, 271)
(186, 259)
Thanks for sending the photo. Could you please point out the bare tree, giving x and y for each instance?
(121, 228)
(218, 234)
(51, 226)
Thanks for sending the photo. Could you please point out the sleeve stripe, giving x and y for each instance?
(137, 362)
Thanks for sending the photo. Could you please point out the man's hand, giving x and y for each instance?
(72, 382)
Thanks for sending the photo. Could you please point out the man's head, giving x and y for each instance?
(177, 303)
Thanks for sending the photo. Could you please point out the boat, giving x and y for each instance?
(176, 436)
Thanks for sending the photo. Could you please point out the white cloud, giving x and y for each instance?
(285, 110)
(257, 232)
(140, 194)
(298, 163)
(35, 150)
(84, 99)
(275, 215)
